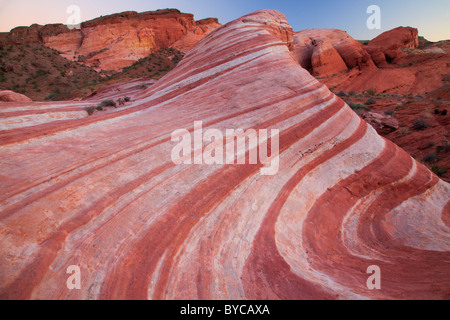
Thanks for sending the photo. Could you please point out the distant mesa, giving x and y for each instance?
(116, 41)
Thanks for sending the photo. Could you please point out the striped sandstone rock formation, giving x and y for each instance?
(102, 192)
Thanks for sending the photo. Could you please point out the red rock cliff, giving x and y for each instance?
(116, 41)
(329, 51)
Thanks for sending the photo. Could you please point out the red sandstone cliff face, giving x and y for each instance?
(116, 41)
(401, 37)
(326, 60)
(391, 63)
(388, 46)
(201, 29)
(102, 192)
(308, 42)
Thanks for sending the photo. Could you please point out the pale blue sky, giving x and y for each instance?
(431, 17)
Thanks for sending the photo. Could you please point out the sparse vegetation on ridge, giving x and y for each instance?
(42, 73)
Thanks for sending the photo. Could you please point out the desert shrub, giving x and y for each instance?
(370, 102)
(40, 73)
(371, 91)
(444, 112)
(127, 99)
(120, 101)
(52, 96)
(428, 114)
(342, 94)
(351, 104)
(444, 148)
(389, 112)
(358, 106)
(420, 124)
(439, 171)
(430, 157)
(90, 110)
(107, 103)
(404, 131)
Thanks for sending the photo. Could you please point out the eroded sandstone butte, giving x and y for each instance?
(394, 62)
(116, 41)
(327, 52)
(102, 192)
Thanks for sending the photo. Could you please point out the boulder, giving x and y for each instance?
(11, 96)
(384, 124)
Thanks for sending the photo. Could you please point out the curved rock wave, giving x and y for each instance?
(103, 193)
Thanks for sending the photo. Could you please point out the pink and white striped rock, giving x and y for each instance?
(102, 193)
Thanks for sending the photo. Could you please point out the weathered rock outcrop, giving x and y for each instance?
(201, 29)
(384, 124)
(391, 42)
(350, 50)
(395, 62)
(326, 61)
(116, 41)
(102, 192)
(401, 37)
(11, 96)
